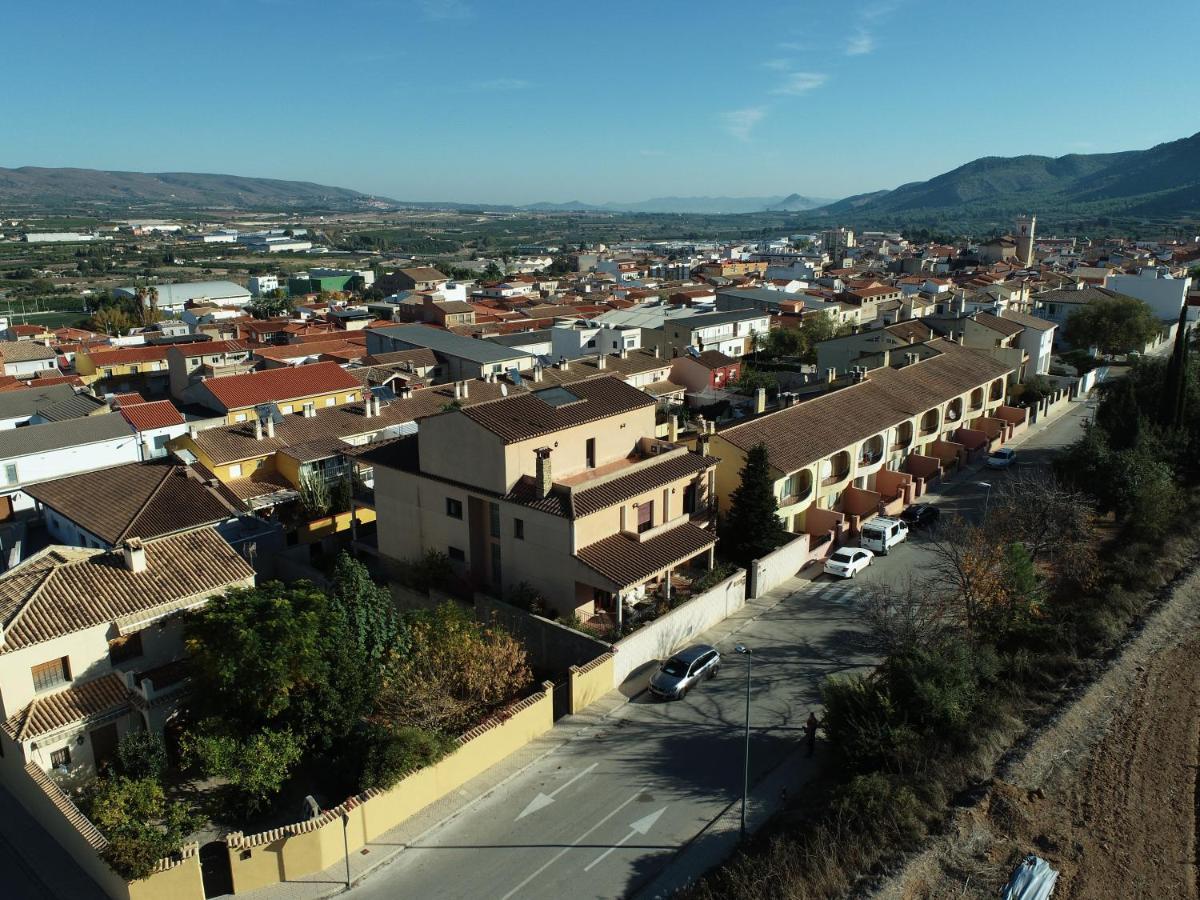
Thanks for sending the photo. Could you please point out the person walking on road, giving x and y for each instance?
(810, 733)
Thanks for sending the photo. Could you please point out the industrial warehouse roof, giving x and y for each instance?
(57, 435)
(275, 385)
(142, 500)
(450, 344)
(176, 294)
(542, 412)
(62, 590)
(800, 435)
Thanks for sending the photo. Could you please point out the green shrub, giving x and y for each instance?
(142, 754)
(881, 809)
(256, 767)
(433, 571)
(394, 752)
(141, 825)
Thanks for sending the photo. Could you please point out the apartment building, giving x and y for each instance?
(189, 364)
(564, 489)
(91, 645)
(458, 357)
(123, 369)
(732, 332)
(841, 455)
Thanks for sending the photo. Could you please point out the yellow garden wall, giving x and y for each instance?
(591, 681)
(306, 848)
(313, 531)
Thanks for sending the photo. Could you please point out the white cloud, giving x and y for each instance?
(801, 83)
(740, 122)
(795, 46)
(446, 10)
(777, 65)
(501, 84)
(860, 44)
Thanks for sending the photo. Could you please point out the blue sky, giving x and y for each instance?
(515, 101)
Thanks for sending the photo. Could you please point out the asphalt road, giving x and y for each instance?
(603, 814)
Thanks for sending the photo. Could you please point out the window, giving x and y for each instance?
(61, 758)
(108, 373)
(329, 401)
(645, 516)
(51, 674)
(349, 398)
(591, 453)
(453, 508)
(10, 473)
(235, 471)
(591, 343)
(286, 409)
(124, 648)
(519, 529)
(456, 554)
(240, 417)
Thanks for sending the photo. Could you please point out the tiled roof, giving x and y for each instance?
(142, 500)
(636, 362)
(74, 407)
(275, 385)
(57, 435)
(1006, 326)
(918, 331)
(62, 590)
(1027, 321)
(424, 273)
(127, 399)
(79, 702)
(26, 400)
(625, 561)
(237, 442)
(123, 356)
(663, 388)
(808, 432)
(25, 351)
(209, 348)
(527, 416)
(419, 358)
(714, 359)
(356, 349)
(587, 500)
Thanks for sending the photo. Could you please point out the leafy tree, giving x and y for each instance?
(1173, 409)
(141, 825)
(272, 305)
(366, 611)
(455, 672)
(1112, 325)
(255, 766)
(142, 754)
(752, 527)
(394, 752)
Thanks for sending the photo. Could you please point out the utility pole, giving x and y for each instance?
(748, 653)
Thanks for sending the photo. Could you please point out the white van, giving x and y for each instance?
(881, 534)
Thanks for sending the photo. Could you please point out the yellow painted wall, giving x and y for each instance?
(180, 882)
(223, 471)
(591, 682)
(319, 845)
(318, 400)
(313, 531)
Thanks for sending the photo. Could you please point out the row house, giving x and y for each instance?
(732, 332)
(91, 646)
(842, 457)
(123, 369)
(240, 398)
(189, 364)
(563, 489)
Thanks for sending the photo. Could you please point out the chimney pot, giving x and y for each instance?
(466, 389)
(602, 361)
(270, 426)
(134, 555)
(258, 429)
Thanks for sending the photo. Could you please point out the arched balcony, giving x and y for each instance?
(954, 410)
(904, 436)
(835, 469)
(797, 487)
(929, 422)
(997, 391)
(870, 451)
(977, 399)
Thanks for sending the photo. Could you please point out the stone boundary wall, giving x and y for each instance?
(777, 566)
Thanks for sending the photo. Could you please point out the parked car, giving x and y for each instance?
(1001, 459)
(848, 562)
(684, 671)
(921, 515)
(882, 533)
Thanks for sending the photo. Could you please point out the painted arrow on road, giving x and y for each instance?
(541, 801)
(641, 826)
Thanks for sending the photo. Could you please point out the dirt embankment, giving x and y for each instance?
(1107, 793)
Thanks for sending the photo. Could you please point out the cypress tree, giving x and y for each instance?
(751, 529)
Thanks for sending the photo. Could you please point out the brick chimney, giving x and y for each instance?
(543, 477)
(702, 443)
(134, 555)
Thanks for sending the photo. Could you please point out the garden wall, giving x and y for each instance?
(662, 636)
(589, 682)
(777, 566)
(54, 810)
(295, 851)
(551, 647)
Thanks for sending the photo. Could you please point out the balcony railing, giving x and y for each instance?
(835, 478)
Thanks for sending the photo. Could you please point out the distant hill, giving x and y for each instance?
(60, 188)
(1162, 182)
(689, 205)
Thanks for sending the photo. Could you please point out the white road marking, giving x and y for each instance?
(641, 826)
(541, 801)
(561, 853)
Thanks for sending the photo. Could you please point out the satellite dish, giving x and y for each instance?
(504, 390)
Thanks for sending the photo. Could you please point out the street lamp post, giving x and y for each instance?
(748, 653)
(986, 497)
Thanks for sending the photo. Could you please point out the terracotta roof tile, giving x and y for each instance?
(149, 416)
(123, 356)
(86, 702)
(625, 561)
(275, 385)
(528, 416)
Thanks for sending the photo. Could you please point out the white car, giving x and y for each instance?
(848, 562)
(1002, 458)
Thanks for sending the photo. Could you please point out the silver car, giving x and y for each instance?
(681, 672)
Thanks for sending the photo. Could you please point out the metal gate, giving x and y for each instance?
(215, 870)
(562, 699)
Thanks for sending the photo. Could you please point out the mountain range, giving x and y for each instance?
(1161, 182)
(691, 205)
